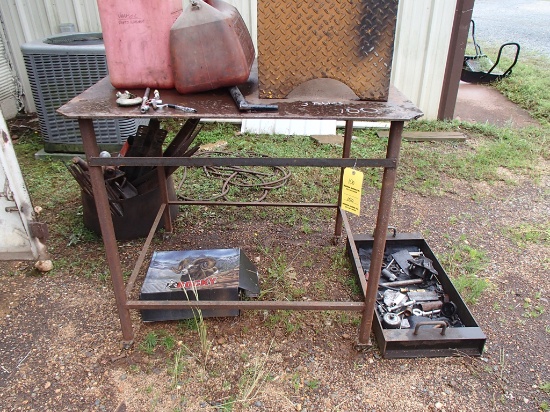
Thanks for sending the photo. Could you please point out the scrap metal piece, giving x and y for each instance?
(391, 320)
(420, 312)
(402, 257)
(145, 101)
(401, 306)
(391, 296)
(243, 105)
(127, 99)
(449, 309)
(427, 306)
(175, 106)
(155, 101)
(402, 283)
(389, 275)
(423, 295)
(422, 267)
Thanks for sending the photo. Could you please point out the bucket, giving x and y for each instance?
(139, 213)
(136, 36)
(210, 47)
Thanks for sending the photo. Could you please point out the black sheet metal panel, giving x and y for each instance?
(195, 275)
(429, 342)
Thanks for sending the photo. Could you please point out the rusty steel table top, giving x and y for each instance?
(317, 99)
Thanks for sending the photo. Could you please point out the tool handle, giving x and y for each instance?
(431, 323)
(145, 103)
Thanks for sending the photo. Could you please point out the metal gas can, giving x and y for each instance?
(136, 37)
(210, 47)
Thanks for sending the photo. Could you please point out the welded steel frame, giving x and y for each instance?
(96, 103)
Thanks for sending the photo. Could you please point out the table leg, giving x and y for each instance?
(107, 229)
(345, 154)
(382, 220)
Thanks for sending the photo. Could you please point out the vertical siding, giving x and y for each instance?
(28, 20)
(421, 47)
(248, 10)
(8, 90)
(9, 101)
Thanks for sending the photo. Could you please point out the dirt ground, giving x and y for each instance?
(60, 340)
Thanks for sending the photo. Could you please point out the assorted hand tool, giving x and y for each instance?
(128, 181)
(411, 292)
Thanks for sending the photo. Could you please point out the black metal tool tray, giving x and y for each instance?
(463, 338)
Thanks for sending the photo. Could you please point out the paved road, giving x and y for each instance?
(526, 22)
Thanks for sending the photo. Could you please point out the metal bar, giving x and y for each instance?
(107, 229)
(163, 188)
(245, 305)
(145, 248)
(345, 154)
(270, 204)
(355, 254)
(242, 104)
(241, 161)
(382, 220)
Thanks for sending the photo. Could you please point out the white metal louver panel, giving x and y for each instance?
(59, 68)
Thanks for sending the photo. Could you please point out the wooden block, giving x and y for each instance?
(328, 138)
(428, 136)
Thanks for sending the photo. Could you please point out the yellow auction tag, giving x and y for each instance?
(351, 190)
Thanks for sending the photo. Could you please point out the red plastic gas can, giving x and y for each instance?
(136, 35)
(210, 47)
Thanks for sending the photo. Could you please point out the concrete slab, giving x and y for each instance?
(482, 104)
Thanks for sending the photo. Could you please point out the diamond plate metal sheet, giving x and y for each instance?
(347, 40)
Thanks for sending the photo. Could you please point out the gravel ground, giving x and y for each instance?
(521, 21)
(60, 341)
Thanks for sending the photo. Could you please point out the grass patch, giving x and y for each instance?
(464, 264)
(488, 149)
(149, 343)
(528, 83)
(526, 234)
(528, 86)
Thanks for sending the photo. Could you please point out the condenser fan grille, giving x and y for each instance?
(59, 70)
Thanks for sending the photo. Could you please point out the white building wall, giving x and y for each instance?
(27, 20)
(422, 41)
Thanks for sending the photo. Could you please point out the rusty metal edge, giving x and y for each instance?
(240, 161)
(246, 305)
(268, 204)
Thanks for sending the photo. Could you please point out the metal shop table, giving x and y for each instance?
(98, 102)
